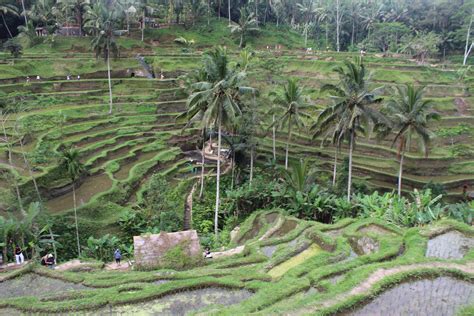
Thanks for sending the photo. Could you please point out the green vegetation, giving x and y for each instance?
(215, 116)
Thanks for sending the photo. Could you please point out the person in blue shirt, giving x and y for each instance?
(117, 256)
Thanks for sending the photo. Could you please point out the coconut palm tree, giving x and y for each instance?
(292, 102)
(78, 8)
(8, 9)
(410, 114)
(74, 168)
(195, 114)
(221, 92)
(104, 43)
(247, 23)
(351, 112)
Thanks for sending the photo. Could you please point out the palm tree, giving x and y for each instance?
(221, 92)
(8, 9)
(74, 169)
(291, 100)
(195, 113)
(247, 23)
(409, 115)
(78, 8)
(351, 112)
(104, 43)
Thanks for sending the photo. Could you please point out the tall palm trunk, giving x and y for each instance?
(266, 12)
(338, 26)
(349, 179)
(24, 13)
(274, 137)
(208, 12)
(400, 173)
(75, 218)
(241, 39)
(334, 173)
(110, 80)
(287, 146)
(228, 9)
(201, 190)
(233, 171)
(143, 25)
(401, 151)
(251, 165)
(6, 26)
(218, 177)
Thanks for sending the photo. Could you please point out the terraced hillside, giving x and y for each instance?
(141, 136)
(120, 151)
(450, 158)
(280, 265)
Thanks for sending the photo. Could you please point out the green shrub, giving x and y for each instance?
(178, 259)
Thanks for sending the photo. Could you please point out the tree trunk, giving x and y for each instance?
(219, 9)
(110, 80)
(353, 32)
(6, 26)
(251, 165)
(334, 173)
(287, 146)
(274, 137)
(233, 170)
(228, 9)
(266, 12)
(24, 13)
(400, 173)
(241, 39)
(143, 25)
(208, 12)
(349, 180)
(201, 190)
(467, 54)
(256, 11)
(466, 49)
(75, 218)
(337, 25)
(327, 35)
(218, 177)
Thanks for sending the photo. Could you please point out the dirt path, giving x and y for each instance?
(364, 287)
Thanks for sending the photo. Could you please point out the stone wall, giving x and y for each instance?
(149, 249)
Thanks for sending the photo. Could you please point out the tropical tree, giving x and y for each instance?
(410, 114)
(221, 92)
(104, 43)
(74, 168)
(41, 13)
(77, 8)
(351, 112)
(195, 113)
(8, 9)
(247, 23)
(291, 100)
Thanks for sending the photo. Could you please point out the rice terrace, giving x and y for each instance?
(240, 157)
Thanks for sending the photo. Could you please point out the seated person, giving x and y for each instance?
(207, 253)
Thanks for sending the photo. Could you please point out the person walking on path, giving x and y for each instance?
(117, 256)
(19, 255)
